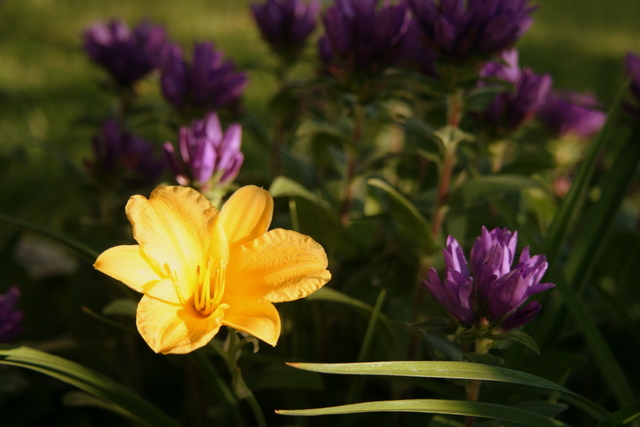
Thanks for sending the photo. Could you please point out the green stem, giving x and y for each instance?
(217, 385)
(231, 355)
(455, 106)
(473, 386)
(351, 155)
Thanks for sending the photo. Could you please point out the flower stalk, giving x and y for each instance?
(351, 158)
(455, 107)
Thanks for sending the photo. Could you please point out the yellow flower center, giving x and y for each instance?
(209, 286)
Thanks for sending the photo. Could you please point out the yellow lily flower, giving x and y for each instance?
(199, 268)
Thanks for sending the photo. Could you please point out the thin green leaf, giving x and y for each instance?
(612, 192)
(435, 406)
(627, 414)
(121, 307)
(285, 187)
(561, 224)
(457, 370)
(329, 294)
(80, 398)
(414, 223)
(83, 250)
(101, 386)
(558, 231)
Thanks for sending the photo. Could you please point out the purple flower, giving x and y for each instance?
(208, 83)
(632, 65)
(10, 318)
(572, 113)
(459, 30)
(206, 150)
(510, 110)
(117, 152)
(360, 39)
(127, 55)
(286, 24)
(492, 293)
(414, 55)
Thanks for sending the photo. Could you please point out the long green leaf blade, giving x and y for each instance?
(129, 403)
(435, 406)
(457, 370)
(85, 251)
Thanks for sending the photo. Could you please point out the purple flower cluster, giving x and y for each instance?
(459, 30)
(511, 109)
(492, 293)
(206, 150)
(117, 150)
(208, 83)
(10, 318)
(573, 113)
(361, 38)
(632, 65)
(286, 25)
(127, 55)
(414, 54)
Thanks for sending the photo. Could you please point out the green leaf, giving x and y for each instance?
(450, 136)
(278, 376)
(479, 189)
(430, 406)
(124, 400)
(627, 414)
(80, 398)
(285, 187)
(83, 250)
(329, 294)
(522, 338)
(457, 370)
(322, 222)
(121, 307)
(414, 224)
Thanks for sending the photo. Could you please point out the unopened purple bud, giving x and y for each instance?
(572, 113)
(10, 317)
(512, 109)
(127, 55)
(206, 150)
(414, 54)
(117, 152)
(361, 38)
(286, 24)
(208, 83)
(463, 30)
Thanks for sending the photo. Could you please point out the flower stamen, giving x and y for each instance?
(209, 292)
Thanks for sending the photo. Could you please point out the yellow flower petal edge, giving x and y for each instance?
(199, 269)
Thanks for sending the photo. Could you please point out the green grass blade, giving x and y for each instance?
(571, 204)
(627, 414)
(85, 251)
(407, 215)
(612, 192)
(458, 370)
(435, 406)
(559, 229)
(92, 382)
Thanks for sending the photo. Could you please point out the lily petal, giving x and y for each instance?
(281, 265)
(172, 227)
(256, 208)
(173, 328)
(260, 320)
(126, 264)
